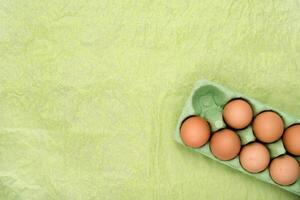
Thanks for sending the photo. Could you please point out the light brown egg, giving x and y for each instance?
(268, 126)
(238, 113)
(225, 144)
(284, 170)
(254, 157)
(291, 139)
(195, 131)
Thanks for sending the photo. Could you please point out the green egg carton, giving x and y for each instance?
(208, 100)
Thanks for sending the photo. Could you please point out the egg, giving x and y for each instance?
(238, 113)
(254, 157)
(284, 170)
(291, 139)
(225, 144)
(268, 126)
(195, 131)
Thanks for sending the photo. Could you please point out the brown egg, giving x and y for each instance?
(195, 131)
(238, 113)
(225, 144)
(284, 170)
(291, 139)
(268, 126)
(254, 157)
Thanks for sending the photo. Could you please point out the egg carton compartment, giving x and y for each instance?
(208, 100)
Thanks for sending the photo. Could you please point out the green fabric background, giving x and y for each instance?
(90, 93)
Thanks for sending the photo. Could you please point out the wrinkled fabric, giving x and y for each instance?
(91, 91)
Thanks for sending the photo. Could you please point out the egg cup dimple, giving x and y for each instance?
(208, 100)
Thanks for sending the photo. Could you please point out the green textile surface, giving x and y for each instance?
(91, 91)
